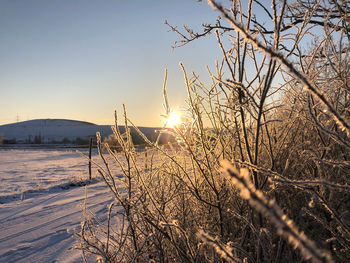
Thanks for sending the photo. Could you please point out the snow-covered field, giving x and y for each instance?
(40, 204)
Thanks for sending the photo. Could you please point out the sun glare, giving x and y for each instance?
(174, 119)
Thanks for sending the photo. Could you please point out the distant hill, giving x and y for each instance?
(48, 131)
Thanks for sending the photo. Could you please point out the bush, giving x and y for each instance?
(37, 139)
(65, 140)
(81, 141)
(283, 128)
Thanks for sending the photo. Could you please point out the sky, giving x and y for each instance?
(83, 59)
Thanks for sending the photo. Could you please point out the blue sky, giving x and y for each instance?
(82, 59)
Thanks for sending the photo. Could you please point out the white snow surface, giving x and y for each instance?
(40, 204)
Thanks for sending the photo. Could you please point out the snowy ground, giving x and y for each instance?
(40, 204)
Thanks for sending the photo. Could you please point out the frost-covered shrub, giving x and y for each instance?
(277, 110)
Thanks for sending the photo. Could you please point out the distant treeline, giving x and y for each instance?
(151, 133)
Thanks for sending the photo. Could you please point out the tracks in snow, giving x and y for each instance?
(41, 229)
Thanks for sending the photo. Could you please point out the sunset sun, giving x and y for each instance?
(174, 119)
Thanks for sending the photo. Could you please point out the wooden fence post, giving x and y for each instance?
(90, 149)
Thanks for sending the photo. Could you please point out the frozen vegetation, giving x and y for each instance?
(259, 171)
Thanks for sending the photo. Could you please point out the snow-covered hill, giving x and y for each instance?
(55, 131)
(51, 131)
